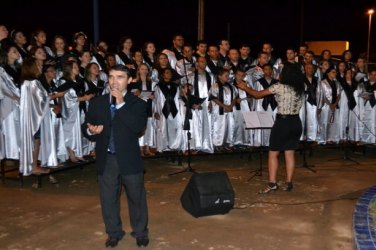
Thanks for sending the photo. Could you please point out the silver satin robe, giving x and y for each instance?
(222, 125)
(348, 118)
(367, 117)
(72, 122)
(148, 139)
(9, 117)
(242, 136)
(261, 136)
(328, 121)
(35, 114)
(183, 67)
(168, 130)
(201, 119)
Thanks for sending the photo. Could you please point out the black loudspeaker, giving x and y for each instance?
(208, 194)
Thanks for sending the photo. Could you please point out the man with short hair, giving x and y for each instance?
(176, 52)
(213, 62)
(245, 59)
(201, 48)
(116, 121)
(224, 47)
(186, 66)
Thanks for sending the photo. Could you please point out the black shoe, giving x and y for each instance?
(142, 241)
(272, 186)
(112, 241)
(288, 187)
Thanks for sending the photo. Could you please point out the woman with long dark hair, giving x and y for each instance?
(287, 129)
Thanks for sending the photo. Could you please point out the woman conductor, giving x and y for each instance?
(287, 129)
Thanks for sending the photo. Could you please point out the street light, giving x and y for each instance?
(370, 13)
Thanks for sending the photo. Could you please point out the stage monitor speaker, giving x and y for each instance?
(208, 194)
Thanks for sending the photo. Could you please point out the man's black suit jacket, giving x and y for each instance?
(128, 125)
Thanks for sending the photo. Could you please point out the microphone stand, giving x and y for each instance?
(346, 143)
(187, 128)
(305, 164)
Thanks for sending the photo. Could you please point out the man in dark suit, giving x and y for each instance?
(116, 121)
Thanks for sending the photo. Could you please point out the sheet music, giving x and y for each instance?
(261, 119)
(145, 94)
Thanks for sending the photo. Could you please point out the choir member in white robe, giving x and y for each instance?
(175, 53)
(168, 122)
(327, 106)
(256, 72)
(223, 97)
(47, 81)
(140, 87)
(37, 130)
(323, 67)
(201, 82)
(9, 103)
(268, 104)
(163, 63)
(190, 106)
(348, 108)
(186, 66)
(367, 109)
(71, 112)
(242, 136)
(309, 108)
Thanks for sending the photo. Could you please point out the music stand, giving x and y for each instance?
(305, 164)
(258, 120)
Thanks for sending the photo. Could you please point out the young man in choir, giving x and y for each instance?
(268, 103)
(232, 63)
(214, 63)
(257, 72)
(242, 137)
(201, 82)
(186, 66)
(201, 49)
(224, 47)
(310, 108)
(176, 52)
(245, 59)
(272, 60)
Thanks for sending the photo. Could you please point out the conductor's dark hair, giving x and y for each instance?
(292, 75)
(120, 67)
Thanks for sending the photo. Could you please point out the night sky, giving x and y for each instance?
(252, 22)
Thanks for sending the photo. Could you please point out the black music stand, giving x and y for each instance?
(258, 120)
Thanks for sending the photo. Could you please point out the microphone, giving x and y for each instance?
(113, 101)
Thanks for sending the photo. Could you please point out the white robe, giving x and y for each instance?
(223, 125)
(328, 121)
(72, 122)
(367, 116)
(201, 119)
(168, 131)
(9, 117)
(35, 114)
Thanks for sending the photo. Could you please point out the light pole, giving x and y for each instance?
(370, 13)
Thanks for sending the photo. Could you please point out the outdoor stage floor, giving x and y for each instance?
(317, 214)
